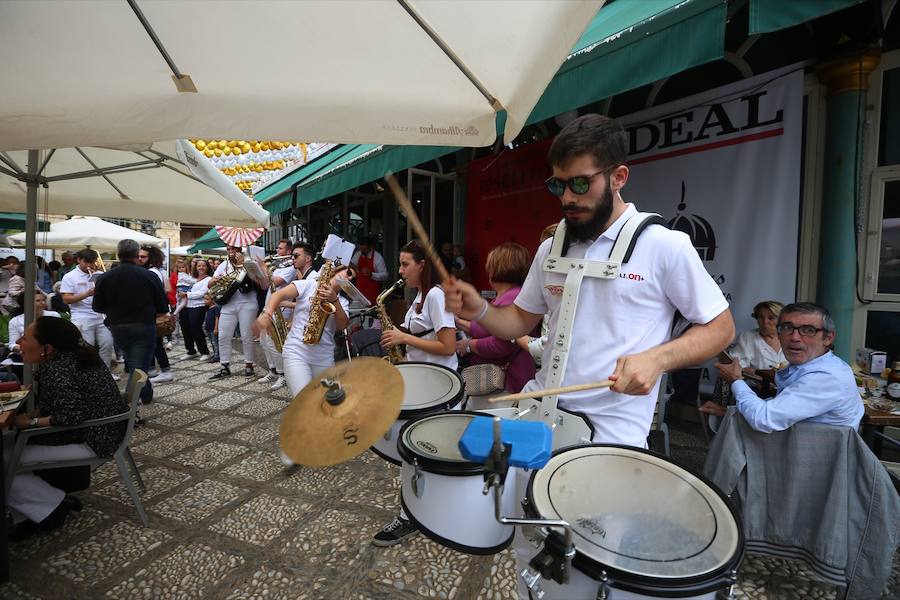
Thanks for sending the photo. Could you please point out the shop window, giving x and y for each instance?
(889, 134)
(883, 333)
(889, 246)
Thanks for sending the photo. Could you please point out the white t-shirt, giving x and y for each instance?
(17, 326)
(317, 354)
(434, 316)
(197, 292)
(77, 281)
(288, 274)
(615, 318)
(239, 298)
(751, 350)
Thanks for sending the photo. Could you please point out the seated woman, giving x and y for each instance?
(755, 349)
(17, 323)
(506, 266)
(73, 385)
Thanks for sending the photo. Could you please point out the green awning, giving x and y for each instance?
(631, 43)
(772, 15)
(362, 164)
(276, 197)
(16, 222)
(208, 240)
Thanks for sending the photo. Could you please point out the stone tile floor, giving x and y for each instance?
(228, 521)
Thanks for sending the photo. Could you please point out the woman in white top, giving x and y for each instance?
(755, 349)
(151, 258)
(431, 327)
(17, 323)
(195, 311)
(431, 338)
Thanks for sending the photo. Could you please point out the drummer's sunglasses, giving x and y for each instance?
(580, 184)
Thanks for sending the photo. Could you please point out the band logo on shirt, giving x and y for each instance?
(554, 290)
(631, 276)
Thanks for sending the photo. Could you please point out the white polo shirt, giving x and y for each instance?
(615, 318)
(434, 316)
(239, 298)
(317, 354)
(77, 281)
(288, 274)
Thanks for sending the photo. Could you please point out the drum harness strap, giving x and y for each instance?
(575, 270)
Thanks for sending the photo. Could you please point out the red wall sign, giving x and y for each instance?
(507, 202)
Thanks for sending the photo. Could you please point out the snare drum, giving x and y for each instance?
(642, 524)
(428, 389)
(442, 492)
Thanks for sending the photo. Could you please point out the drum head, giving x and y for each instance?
(638, 514)
(432, 442)
(428, 387)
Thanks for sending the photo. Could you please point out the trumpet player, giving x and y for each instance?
(77, 291)
(280, 278)
(241, 309)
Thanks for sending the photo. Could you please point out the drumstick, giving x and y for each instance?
(407, 208)
(552, 391)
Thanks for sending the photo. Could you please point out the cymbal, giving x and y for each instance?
(328, 424)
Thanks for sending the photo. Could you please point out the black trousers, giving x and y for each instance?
(192, 329)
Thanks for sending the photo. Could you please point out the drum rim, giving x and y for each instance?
(455, 400)
(434, 465)
(635, 582)
(476, 550)
(384, 456)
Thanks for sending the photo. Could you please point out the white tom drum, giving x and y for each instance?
(428, 389)
(643, 525)
(442, 492)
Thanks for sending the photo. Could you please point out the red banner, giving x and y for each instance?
(507, 202)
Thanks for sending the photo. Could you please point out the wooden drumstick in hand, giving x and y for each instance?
(552, 391)
(414, 222)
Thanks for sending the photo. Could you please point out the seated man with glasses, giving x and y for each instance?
(817, 386)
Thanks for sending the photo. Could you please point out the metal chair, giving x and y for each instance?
(121, 455)
(891, 438)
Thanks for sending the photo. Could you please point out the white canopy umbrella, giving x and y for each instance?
(78, 232)
(146, 182)
(100, 73)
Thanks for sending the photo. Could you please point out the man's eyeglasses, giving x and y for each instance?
(805, 330)
(296, 255)
(580, 184)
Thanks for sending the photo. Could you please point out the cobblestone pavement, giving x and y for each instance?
(227, 521)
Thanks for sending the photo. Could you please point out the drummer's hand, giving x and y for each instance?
(462, 299)
(636, 374)
(730, 372)
(393, 337)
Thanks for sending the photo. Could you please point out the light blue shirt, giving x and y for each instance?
(822, 390)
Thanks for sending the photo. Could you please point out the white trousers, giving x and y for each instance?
(298, 373)
(30, 497)
(273, 356)
(231, 315)
(98, 335)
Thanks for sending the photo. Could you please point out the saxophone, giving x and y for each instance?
(395, 354)
(319, 311)
(279, 331)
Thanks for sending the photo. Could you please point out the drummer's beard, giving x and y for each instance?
(586, 231)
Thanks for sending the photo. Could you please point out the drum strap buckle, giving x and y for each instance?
(418, 481)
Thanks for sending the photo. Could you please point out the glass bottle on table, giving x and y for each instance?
(893, 383)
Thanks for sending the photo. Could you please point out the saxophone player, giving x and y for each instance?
(241, 308)
(281, 277)
(303, 361)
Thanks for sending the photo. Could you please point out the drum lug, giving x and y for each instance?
(418, 481)
(532, 581)
(387, 435)
(603, 591)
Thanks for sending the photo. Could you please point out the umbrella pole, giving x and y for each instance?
(30, 244)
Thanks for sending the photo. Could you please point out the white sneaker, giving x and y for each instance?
(164, 377)
(203, 357)
(269, 378)
(153, 373)
(280, 383)
(168, 346)
(116, 377)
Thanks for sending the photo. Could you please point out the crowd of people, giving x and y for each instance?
(525, 330)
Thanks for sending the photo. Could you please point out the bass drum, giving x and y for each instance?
(643, 526)
(428, 389)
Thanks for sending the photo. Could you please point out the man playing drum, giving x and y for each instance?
(620, 326)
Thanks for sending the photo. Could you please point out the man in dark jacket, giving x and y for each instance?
(131, 297)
